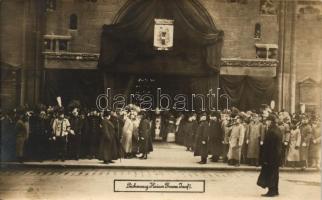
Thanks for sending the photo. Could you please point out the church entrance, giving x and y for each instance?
(187, 63)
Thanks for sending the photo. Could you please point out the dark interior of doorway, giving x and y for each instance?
(81, 85)
(170, 85)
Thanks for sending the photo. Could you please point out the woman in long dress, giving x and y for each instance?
(127, 134)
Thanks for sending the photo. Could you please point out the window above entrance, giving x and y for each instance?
(57, 43)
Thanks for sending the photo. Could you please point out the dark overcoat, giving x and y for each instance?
(188, 134)
(271, 157)
(216, 138)
(145, 139)
(202, 135)
(108, 147)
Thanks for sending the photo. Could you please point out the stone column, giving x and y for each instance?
(286, 71)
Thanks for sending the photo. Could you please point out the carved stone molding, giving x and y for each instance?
(71, 56)
(226, 62)
(309, 8)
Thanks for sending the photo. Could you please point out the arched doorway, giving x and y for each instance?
(192, 64)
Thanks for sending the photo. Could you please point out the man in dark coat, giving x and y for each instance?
(74, 139)
(22, 133)
(188, 133)
(117, 123)
(271, 158)
(145, 139)
(216, 136)
(39, 134)
(94, 133)
(107, 149)
(202, 139)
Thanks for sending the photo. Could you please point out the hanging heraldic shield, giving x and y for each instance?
(163, 34)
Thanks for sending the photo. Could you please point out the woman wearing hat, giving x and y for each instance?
(127, 134)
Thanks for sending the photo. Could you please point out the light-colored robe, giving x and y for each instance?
(236, 140)
(127, 134)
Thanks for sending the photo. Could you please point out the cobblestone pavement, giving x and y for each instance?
(98, 184)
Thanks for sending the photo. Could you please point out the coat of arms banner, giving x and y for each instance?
(163, 34)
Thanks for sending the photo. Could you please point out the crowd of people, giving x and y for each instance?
(230, 136)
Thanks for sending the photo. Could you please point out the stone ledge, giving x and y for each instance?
(235, 62)
(71, 56)
(225, 62)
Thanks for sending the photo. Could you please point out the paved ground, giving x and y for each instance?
(98, 184)
(164, 156)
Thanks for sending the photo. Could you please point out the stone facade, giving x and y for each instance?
(236, 19)
(300, 39)
(308, 48)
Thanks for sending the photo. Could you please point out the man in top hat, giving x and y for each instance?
(202, 139)
(271, 157)
(216, 136)
(145, 139)
(74, 139)
(108, 149)
(188, 132)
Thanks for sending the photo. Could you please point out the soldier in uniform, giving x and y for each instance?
(306, 133)
(236, 140)
(61, 127)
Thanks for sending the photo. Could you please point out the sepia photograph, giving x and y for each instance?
(160, 99)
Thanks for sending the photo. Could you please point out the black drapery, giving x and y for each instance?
(248, 93)
(128, 42)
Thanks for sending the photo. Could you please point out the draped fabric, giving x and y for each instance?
(248, 93)
(127, 44)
